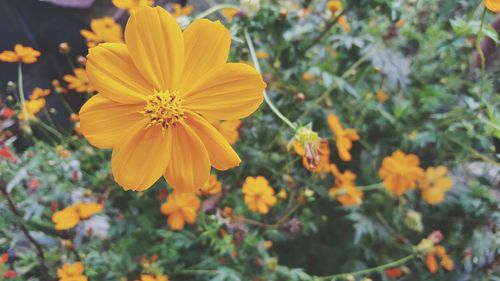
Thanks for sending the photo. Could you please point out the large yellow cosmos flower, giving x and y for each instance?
(155, 94)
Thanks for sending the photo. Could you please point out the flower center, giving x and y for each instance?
(164, 108)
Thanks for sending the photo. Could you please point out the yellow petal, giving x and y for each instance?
(207, 46)
(228, 92)
(335, 125)
(88, 209)
(103, 122)
(222, 155)
(190, 167)
(66, 218)
(155, 42)
(111, 71)
(176, 221)
(140, 159)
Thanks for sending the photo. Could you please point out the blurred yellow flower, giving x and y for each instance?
(400, 172)
(492, 5)
(344, 137)
(229, 13)
(229, 129)
(181, 207)
(79, 82)
(435, 184)
(31, 107)
(62, 152)
(179, 10)
(102, 30)
(262, 55)
(342, 21)
(39, 93)
(212, 186)
(20, 54)
(146, 277)
(345, 190)
(308, 76)
(72, 272)
(132, 5)
(258, 195)
(69, 217)
(334, 6)
(380, 96)
(156, 94)
(282, 194)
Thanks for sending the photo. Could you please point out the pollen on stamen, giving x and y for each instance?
(164, 108)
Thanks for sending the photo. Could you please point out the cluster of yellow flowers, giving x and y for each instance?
(72, 272)
(70, 216)
(402, 172)
(35, 103)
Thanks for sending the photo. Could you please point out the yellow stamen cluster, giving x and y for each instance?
(164, 108)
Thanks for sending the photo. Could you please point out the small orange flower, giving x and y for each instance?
(308, 76)
(181, 207)
(394, 272)
(228, 129)
(344, 23)
(20, 54)
(132, 5)
(71, 272)
(306, 143)
(147, 277)
(492, 5)
(345, 190)
(79, 82)
(39, 93)
(334, 6)
(32, 107)
(258, 195)
(103, 30)
(212, 186)
(229, 13)
(62, 152)
(262, 55)
(324, 159)
(400, 172)
(179, 10)
(435, 184)
(9, 274)
(432, 256)
(344, 137)
(69, 217)
(7, 154)
(381, 96)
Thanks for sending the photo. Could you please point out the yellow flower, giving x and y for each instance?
(258, 195)
(345, 190)
(334, 6)
(156, 94)
(212, 186)
(79, 82)
(62, 152)
(229, 129)
(431, 259)
(492, 5)
(308, 76)
(20, 54)
(181, 207)
(69, 217)
(146, 277)
(400, 172)
(435, 184)
(39, 93)
(32, 107)
(179, 10)
(306, 143)
(72, 272)
(102, 30)
(132, 5)
(262, 55)
(282, 194)
(381, 96)
(344, 23)
(344, 137)
(229, 13)
(323, 165)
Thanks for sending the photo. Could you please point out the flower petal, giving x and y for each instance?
(103, 122)
(155, 42)
(228, 92)
(190, 167)
(206, 45)
(222, 155)
(139, 160)
(111, 71)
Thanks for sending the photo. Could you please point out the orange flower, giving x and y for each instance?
(146, 277)
(102, 30)
(7, 154)
(345, 190)
(324, 159)
(334, 6)
(492, 5)
(229, 129)
(432, 256)
(394, 272)
(342, 21)
(79, 82)
(258, 195)
(229, 13)
(20, 54)
(132, 5)
(179, 10)
(308, 76)
(435, 184)
(381, 96)
(212, 186)
(344, 137)
(38, 93)
(69, 217)
(9, 274)
(181, 208)
(156, 93)
(306, 143)
(400, 172)
(74, 272)
(32, 107)
(262, 55)
(62, 152)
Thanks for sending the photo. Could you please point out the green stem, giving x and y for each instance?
(215, 9)
(379, 268)
(50, 129)
(474, 152)
(266, 97)
(374, 186)
(21, 92)
(478, 47)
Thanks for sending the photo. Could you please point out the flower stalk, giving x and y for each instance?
(215, 9)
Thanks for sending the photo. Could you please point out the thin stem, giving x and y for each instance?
(17, 213)
(50, 129)
(374, 186)
(266, 97)
(379, 268)
(328, 26)
(473, 151)
(21, 92)
(478, 47)
(215, 9)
